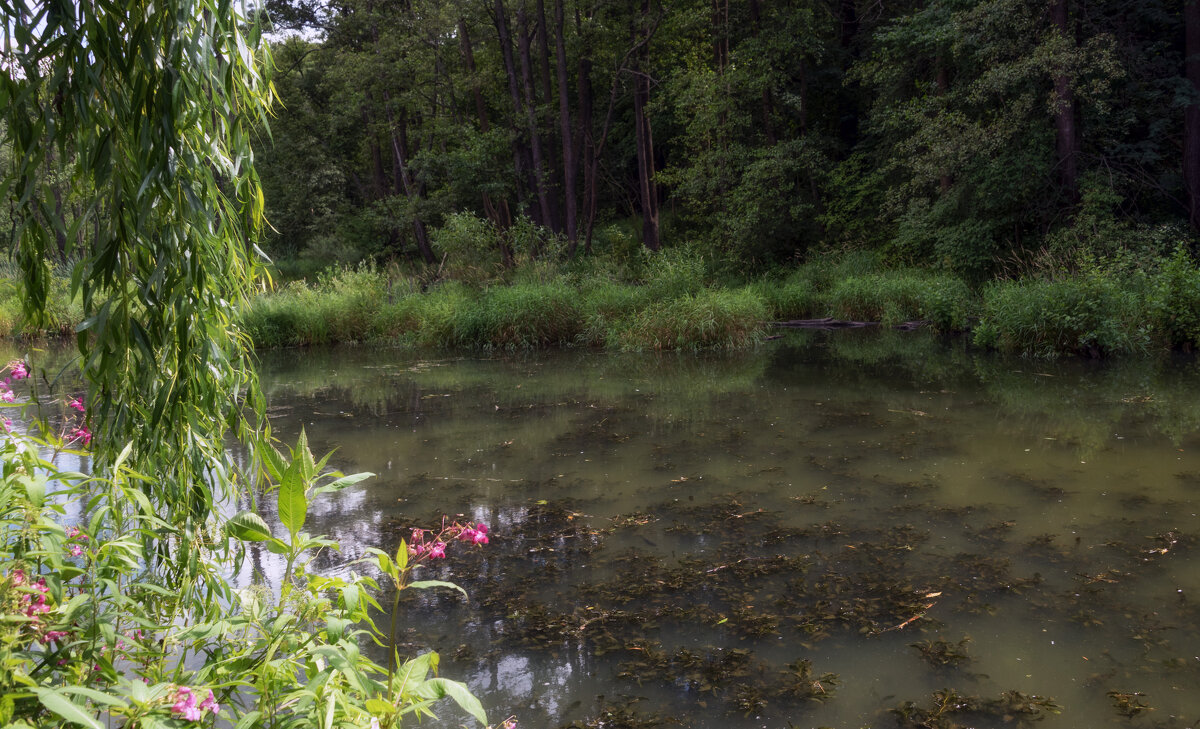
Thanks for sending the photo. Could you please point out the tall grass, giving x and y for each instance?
(710, 319)
(900, 296)
(1089, 315)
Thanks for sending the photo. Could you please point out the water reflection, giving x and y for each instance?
(826, 531)
(795, 534)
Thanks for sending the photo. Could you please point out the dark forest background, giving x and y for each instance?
(979, 136)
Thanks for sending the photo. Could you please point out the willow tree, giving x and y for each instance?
(151, 106)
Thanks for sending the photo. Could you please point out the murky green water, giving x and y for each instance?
(813, 534)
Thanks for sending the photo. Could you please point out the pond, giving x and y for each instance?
(846, 529)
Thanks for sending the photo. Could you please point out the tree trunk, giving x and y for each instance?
(498, 213)
(570, 154)
(520, 151)
(535, 141)
(647, 189)
(404, 180)
(847, 111)
(1065, 113)
(586, 145)
(553, 163)
(1191, 118)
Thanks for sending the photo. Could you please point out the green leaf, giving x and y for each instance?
(426, 584)
(65, 708)
(379, 707)
(343, 482)
(249, 720)
(94, 695)
(248, 527)
(436, 688)
(308, 469)
(402, 556)
(335, 628)
(411, 674)
(293, 504)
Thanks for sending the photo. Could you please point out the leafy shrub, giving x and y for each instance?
(1089, 314)
(126, 618)
(1175, 301)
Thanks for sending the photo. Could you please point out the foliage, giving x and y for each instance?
(150, 108)
(1090, 314)
(92, 627)
(901, 296)
(711, 319)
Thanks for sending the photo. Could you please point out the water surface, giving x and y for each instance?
(824, 532)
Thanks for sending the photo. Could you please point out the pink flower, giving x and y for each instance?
(18, 577)
(437, 550)
(77, 403)
(475, 535)
(56, 635)
(185, 704)
(210, 704)
(19, 371)
(81, 433)
(8, 425)
(509, 724)
(76, 550)
(7, 396)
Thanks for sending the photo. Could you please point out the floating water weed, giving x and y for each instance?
(949, 709)
(1129, 703)
(942, 653)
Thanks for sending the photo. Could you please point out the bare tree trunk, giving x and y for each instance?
(647, 189)
(587, 143)
(570, 152)
(1191, 117)
(535, 141)
(553, 163)
(520, 152)
(405, 182)
(1065, 112)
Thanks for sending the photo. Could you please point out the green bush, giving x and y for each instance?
(1175, 301)
(1089, 314)
(711, 319)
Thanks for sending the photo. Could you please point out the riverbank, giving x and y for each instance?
(670, 302)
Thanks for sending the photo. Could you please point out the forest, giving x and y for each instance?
(984, 138)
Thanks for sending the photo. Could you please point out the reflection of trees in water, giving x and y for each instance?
(840, 443)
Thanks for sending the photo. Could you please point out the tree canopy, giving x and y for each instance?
(955, 133)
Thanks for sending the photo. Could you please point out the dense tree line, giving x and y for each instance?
(969, 134)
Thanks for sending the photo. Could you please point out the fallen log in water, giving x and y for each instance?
(829, 323)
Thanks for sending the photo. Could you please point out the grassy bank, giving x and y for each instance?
(672, 302)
